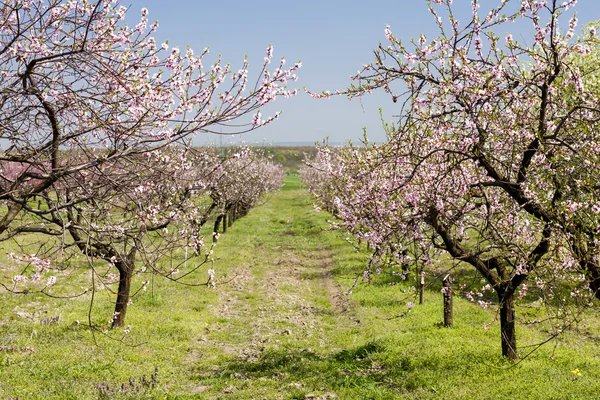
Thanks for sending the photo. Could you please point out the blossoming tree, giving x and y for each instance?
(83, 97)
(495, 157)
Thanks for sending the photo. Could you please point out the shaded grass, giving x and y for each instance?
(279, 327)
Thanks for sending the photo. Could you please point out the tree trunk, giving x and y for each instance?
(583, 249)
(125, 268)
(233, 214)
(216, 226)
(225, 223)
(592, 273)
(447, 284)
(506, 298)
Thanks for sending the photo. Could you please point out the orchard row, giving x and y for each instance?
(493, 162)
(96, 121)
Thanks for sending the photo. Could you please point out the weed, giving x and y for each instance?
(132, 386)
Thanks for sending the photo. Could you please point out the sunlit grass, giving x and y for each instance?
(279, 327)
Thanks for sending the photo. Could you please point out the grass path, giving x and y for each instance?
(285, 329)
(282, 306)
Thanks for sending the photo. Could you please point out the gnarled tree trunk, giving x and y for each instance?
(506, 298)
(125, 267)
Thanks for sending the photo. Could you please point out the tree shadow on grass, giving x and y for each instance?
(316, 275)
(355, 369)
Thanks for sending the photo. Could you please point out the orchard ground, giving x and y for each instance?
(280, 326)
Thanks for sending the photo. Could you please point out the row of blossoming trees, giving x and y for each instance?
(494, 160)
(241, 182)
(95, 120)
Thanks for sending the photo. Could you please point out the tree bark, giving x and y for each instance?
(225, 223)
(508, 335)
(447, 284)
(125, 268)
(594, 279)
(13, 211)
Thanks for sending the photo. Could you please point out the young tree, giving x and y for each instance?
(496, 150)
(137, 209)
(83, 97)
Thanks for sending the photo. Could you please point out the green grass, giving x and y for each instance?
(278, 326)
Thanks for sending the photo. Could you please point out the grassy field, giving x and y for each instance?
(279, 326)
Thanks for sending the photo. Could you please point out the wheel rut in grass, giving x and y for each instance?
(282, 294)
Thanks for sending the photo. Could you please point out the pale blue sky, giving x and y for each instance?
(332, 38)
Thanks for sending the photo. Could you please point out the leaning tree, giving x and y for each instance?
(83, 99)
(495, 157)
